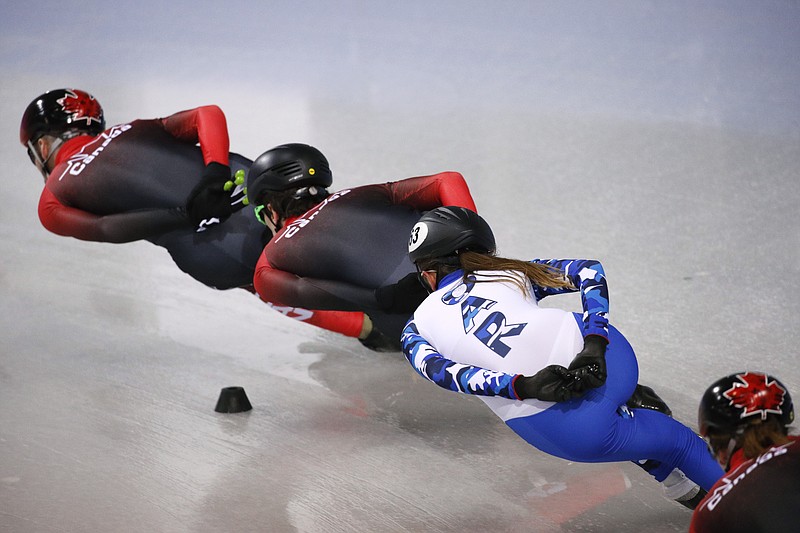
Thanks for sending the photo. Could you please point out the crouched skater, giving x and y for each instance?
(560, 380)
(745, 418)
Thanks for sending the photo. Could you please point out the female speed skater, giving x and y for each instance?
(558, 379)
(161, 180)
(341, 251)
(745, 418)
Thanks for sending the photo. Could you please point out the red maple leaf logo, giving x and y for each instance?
(81, 106)
(756, 395)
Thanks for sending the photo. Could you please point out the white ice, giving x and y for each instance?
(662, 138)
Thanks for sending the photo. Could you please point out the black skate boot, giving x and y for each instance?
(644, 397)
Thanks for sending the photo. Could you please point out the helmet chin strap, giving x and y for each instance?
(733, 444)
(37, 157)
(274, 226)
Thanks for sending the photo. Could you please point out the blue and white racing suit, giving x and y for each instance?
(477, 336)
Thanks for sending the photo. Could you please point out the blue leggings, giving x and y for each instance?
(590, 429)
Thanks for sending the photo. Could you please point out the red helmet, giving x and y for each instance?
(732, 401)
(61, 110)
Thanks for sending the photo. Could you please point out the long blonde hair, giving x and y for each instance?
(500, 268)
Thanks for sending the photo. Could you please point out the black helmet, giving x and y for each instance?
(61, 110)
(444, 231)
(732, 401)
(287, 167)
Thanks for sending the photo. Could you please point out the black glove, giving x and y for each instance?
(551, 384)
(589, 366)
(378, 342)
(216, 197)
(402, 297)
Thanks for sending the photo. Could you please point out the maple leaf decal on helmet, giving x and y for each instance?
(756, 395)
(79, 105)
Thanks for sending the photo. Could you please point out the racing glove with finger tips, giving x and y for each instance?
(589, 366)
(551, 384)
(208, 199)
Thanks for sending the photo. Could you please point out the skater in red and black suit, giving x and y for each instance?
(745, 419)
(170, 181)
(344, 251)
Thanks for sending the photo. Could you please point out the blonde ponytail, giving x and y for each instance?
(538, 274)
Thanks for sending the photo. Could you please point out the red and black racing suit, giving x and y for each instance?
(131, 182)
(760, 495)
(334, 256)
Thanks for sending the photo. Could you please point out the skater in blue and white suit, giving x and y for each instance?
(558, 379)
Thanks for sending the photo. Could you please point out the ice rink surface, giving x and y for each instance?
(662, 138)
